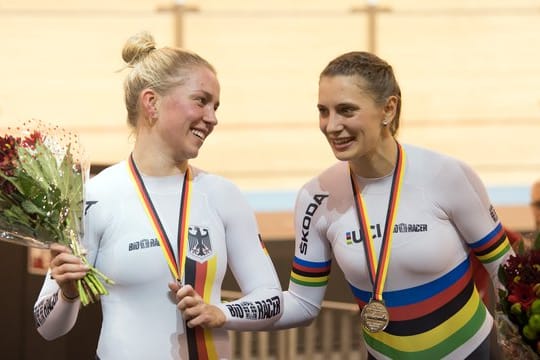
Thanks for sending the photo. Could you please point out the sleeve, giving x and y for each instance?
(261, 303)
(464, 198)
(311, 263)
(55, 316)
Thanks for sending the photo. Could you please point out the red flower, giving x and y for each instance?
(522, 293)
(8, 161)
(8, 154)
(30, 140)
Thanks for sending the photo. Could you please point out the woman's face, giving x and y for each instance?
(349, 117)
(187, 114)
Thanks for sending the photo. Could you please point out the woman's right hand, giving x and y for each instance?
(66, 268)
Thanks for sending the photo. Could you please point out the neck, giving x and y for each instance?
(157, 163)
(378, 163)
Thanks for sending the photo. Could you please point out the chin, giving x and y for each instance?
(191, 154)
(342, 155)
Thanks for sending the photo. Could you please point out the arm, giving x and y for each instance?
(469, 207)
(57, 306)
(261, 303)
(311, 263)
(58, 303)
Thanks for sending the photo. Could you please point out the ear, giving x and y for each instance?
(149, 104)
(390, 108)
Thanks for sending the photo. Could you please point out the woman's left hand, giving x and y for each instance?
(194, 310)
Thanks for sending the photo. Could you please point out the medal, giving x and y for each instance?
(374, 316)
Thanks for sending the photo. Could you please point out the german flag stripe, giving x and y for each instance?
(201, 277)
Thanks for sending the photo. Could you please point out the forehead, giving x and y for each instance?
(339, 87)
(201, 79)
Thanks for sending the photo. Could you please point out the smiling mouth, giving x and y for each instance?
(198, 133)
(341, 141)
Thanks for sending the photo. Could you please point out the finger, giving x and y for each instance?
(59, 247)
(208, 317)
(67, 271)
(186, 290)
(174, 286)
(56, 249)
(189, 302)
(193, 312)
(65, 258)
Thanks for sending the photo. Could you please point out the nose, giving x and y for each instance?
(210, 116)
(331, 123)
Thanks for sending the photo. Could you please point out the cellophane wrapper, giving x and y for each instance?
(43, 170)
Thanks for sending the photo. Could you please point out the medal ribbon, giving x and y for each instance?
(177, 267)
(378, 271)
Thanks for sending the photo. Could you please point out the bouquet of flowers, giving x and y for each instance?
(42, 176)
(518, 310)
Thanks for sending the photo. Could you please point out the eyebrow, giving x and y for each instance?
(210, 96)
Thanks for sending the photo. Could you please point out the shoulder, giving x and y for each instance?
(329, 179)
(425, 165)
(219, 190)
(212, 183)
(333, 182)
(419, 155)
(222, 195)
(110, 180)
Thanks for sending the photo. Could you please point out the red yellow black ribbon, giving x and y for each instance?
(378, 271)
(177, 266)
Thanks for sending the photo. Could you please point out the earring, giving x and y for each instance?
(154, 114)
(385, 122)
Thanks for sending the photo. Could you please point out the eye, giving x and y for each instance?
(346, 111)
(323, 112)
(201, 100)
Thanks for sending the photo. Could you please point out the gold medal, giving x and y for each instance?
(374, 316)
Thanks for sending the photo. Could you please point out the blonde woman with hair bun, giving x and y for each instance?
(164, 230)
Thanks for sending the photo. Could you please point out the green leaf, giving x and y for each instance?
(501, 274)
(536, 245)
(521, 247)
(30, 208)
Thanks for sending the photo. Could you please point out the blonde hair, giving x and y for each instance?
(152, 68)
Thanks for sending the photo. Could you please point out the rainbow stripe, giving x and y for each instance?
(431, 320)
(309, 273)
(492, 246)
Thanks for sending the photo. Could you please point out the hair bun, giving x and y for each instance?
(137, 47)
